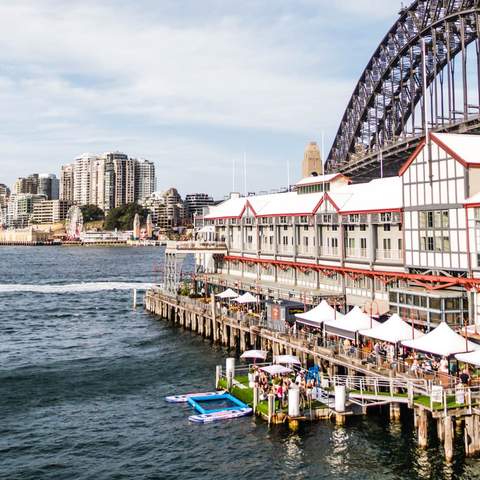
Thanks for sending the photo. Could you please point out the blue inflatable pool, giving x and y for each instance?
(222, 406)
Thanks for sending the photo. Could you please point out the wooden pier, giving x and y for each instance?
(368, 386)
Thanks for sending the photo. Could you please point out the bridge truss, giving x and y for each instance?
(393, 100)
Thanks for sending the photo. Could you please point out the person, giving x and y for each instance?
(443, 366)
(465, 377)
(415, 368)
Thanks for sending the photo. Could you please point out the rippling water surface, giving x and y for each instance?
(83, 377)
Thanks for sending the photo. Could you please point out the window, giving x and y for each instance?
(386, 227)
(386, 217)
(387, 244)
(363, 243)
(354, 218)
(400, 244)
(334, 228)
(363, 227)
(427, 244)
(351, 228)
(327, 218)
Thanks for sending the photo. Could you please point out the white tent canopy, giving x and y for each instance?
(287, 360)
(394, 330)
(473, 358)
(228, 293)
(276, 370)
(321, 313)
(255, 354)
(348, 325)
(246, 298)
(441, 341)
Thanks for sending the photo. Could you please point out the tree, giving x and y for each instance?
(92, 213)
(122, 217)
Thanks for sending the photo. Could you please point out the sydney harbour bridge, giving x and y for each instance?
(425, 74)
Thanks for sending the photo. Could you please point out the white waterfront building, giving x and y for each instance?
(408, 244)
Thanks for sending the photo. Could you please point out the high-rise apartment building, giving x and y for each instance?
(4, 194)
(48, 185)
(108, 180)
(66, 183)
(26, 185)
(82, 178)
(145, 181)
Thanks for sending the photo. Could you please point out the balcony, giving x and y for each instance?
(330, 252)
(356, 253)
(390, 255)
(306, 251)
(285, 250)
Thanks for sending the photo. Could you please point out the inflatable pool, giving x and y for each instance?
(220, 415)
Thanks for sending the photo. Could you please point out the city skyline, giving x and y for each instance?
(181, 89)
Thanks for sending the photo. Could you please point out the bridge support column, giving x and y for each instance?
(472, 435)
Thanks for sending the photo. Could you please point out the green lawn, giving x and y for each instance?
(246, 396)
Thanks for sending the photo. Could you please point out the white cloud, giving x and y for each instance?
(83, 75)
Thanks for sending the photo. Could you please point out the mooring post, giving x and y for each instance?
(448, 442)
(422, 428)
(134, 298)
(218, 375)
(255, 399)
(271, 407)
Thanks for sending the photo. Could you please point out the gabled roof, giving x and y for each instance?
(394, 330)
(441, 341)
(318, 179)
(462, 147)
(379, 195)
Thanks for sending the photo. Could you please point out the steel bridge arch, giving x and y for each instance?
(382, 115)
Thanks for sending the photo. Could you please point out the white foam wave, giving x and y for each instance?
(73, 287)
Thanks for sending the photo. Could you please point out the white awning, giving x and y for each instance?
(321, 313)
(351, 323)
(287, 360)
(229, 293)
(473, 358)
(246, 298)
(394, 330)
(441, 341)
(276, 370)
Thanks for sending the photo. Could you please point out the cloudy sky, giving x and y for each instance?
(189, 84)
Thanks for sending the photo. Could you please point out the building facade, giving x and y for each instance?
(49, 186)
(408, 244)
(195, 204)
(66, 183)
(50, 211)
(145, 180)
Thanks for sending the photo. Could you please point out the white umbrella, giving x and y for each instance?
(229, 293)
(287, 360)
(246, 298)
(255, 354)
(276, 370)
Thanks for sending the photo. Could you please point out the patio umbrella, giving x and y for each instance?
(287, 360)
(276, 370)
(255, 354)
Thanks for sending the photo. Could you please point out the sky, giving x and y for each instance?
(195, 86)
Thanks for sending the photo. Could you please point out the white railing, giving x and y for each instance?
(285, 249)
(395, 255)
(356, 252)
(303, 250)
(330, 252)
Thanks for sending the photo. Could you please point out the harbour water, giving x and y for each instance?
(83, 377)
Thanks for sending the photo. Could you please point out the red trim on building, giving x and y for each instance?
(413, 156)
(372, 211)
(448, 150)
(430, 282)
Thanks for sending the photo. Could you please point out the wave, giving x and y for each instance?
(86, 287)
